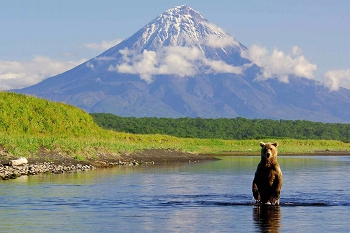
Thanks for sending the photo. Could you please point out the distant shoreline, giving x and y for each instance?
(59, 164)
(158, 156)
(314, 153)
(168, 156)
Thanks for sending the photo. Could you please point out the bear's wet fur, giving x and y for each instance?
(267, 182)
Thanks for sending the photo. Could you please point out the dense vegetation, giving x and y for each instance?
(30, 126)
(22, 114)
(34, 127)
(223, 128)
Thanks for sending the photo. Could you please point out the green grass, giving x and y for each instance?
(29, 125)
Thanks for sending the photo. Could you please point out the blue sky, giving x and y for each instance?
(40, 38)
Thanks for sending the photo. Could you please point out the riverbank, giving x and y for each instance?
(56, 163)
(309, 153)
(49, 162)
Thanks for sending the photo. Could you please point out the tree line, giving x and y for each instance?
(225, 128)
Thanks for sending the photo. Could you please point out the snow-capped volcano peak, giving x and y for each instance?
(178, 42)
(181, 65)
(182, 26)
(182, 10)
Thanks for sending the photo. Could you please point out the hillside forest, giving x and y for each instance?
(225, 128)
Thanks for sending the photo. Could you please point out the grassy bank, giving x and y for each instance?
(85, 148)
(31, 127)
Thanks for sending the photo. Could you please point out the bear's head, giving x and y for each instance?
(269, 151)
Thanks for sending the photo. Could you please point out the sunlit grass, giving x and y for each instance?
(29, 125)
(118, 143)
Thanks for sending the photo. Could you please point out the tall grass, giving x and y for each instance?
(22, 114)
(88, 147)
(29, 125)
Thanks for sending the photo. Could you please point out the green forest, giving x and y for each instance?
(36, 128)
(225, 128)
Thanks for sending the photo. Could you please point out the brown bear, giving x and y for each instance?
(267, 182)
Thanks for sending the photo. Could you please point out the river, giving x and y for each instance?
(194, 197)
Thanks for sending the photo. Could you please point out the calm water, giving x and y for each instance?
(196, 197)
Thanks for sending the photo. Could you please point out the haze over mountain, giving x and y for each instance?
(181, 65)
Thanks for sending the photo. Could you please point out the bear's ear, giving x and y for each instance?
(275, 144)
(262, 144)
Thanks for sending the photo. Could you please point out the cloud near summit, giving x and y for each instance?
(171, 60)
(185, 61)
(280, 65)
(180, 61)
(334, 79)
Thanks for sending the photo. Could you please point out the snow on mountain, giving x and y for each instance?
(178, 42)
(179, 65)
(182, 26)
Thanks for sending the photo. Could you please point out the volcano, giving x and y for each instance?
(182, 65)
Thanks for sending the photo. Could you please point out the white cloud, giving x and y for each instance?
(296, 50)
(214, 27)
(221, 42)
(171, 60)
(90, 65)
(220, 39)
(334, 79)
(19, 74)
(104, 45)
(279, 65)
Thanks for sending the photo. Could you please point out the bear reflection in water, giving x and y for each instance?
(267, 218)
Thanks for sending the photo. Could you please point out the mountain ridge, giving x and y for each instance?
(181, 65)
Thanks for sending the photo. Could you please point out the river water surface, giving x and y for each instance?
(195, 197)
